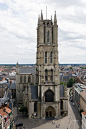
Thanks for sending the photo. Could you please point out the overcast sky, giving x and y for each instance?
(18, 23)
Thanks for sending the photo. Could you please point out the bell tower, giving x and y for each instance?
(47, 67)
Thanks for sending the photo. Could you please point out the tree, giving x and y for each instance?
(70, 82)
(23, 109)
(82, 67)
(71, 68)
(62, 83)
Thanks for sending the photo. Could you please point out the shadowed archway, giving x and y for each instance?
(49, 96)
(50, 112)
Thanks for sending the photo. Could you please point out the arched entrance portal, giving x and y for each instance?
(50, 112)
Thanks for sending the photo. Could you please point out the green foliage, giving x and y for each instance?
(71, 68)
(62, 83)
(70, 92)
(83, 67)
(70, 82)
(23, 109)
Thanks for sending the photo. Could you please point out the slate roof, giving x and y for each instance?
(12, 86)
(9, 95)
(34, 92)
(61, 90)
(27, 70)
(8, 85)
(1, 78)
(10, 105)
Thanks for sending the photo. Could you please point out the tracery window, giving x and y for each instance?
(49, 96)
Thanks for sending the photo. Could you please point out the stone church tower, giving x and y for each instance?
(38, 87)
(47, 68)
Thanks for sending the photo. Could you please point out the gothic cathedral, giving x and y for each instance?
(46, 97)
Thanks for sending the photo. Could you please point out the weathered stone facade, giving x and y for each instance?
(47, 67)
(47, 100)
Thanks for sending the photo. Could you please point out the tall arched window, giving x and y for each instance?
(48, 36)
(29, 79)
(49, 96)
(24, 79)
(20, 79)
(51, 76)
(45, 57)
(51, 57)
(46, 75)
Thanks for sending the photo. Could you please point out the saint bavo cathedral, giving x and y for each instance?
(38, 86)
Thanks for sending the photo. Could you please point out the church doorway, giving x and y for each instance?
(50, 112)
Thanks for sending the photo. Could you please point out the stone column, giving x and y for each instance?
(30, 112)
(38, 109)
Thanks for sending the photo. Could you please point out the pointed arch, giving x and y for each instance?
(49, 96)
(50, 112)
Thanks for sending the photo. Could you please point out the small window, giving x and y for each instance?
(24, 79)
(20, 79)
(45, 57)
(51, 57)
(48, 36)
(29, 79)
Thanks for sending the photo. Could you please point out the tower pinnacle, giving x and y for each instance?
(41, 15)
(55, 19)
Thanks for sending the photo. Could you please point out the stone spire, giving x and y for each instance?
(17, 65)
(55, 19)
(41, 15)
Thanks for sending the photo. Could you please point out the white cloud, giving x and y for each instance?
(18, 23)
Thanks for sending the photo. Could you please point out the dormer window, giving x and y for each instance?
(48, 36)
